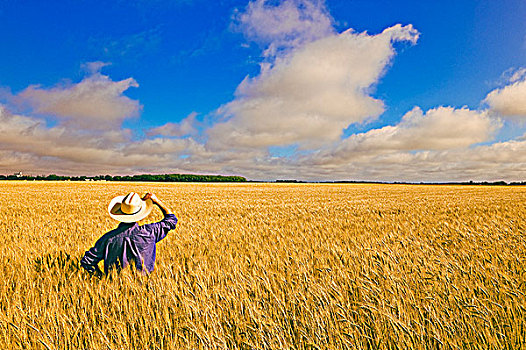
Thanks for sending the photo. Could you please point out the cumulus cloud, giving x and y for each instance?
(313, 83)
(499, 161)
(309, 96)
(94, 67)
(517, 74)
(94, 103)
(82, 151)
(183, 128)
(12, 161)
(286, 25)
(437, 129)
(88, 138)
(510, 101)
(161, 146)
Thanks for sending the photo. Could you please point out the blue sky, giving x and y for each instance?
(305, 89)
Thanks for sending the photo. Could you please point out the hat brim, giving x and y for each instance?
(114, 209)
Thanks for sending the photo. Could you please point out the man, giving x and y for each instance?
(129, 242)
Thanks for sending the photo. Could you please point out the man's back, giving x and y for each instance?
(129, 243)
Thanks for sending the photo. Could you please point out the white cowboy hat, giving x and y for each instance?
(129, 208)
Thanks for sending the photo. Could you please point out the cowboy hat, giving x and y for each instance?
(129, 208)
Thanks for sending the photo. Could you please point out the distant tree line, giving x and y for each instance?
(221, 178)
(479, 183)
(136, 178)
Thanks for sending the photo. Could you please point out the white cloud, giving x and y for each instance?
(96, 102)
(12, 161)
(313, 83)
(402, 33)
(94, 67)
(161, 146)
(442, 128)
(445, 128)
(517, 74)
(286, 25)
(183, 128)
(310, 95)
(510, 101)
(498, 161)
(76, 151)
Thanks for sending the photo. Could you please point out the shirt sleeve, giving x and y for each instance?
(92, 257)
(160, 229)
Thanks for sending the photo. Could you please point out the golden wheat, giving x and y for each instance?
(270, 266)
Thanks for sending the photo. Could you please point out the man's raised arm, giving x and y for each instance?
(158, 202)
(160, 229)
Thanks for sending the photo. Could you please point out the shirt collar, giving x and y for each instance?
(127, 224)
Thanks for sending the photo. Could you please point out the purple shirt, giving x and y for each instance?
(128, 243)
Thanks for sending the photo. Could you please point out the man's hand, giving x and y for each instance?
(157, 202)
(151, 196)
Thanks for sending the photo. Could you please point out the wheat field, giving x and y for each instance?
(270, 266)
